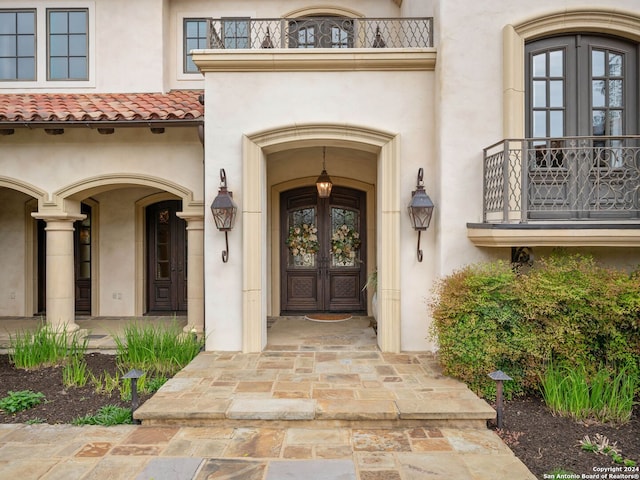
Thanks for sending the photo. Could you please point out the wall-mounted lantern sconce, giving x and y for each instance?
(323, 183)
(224, 211)
(420, 210)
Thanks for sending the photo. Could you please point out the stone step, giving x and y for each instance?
(315, 388)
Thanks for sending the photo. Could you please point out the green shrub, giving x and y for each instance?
(487, 317)
(18, 401)
(479, 329)
(584, 314)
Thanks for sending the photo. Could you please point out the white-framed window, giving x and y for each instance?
(17, 45)
(48, 44)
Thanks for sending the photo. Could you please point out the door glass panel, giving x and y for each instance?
(539, 124)
(597, 63)
(556, 93)
(540, 65)
(615, 122)
(556, 63)
(539, 93)
(556, 123)
(598, 93)
(302, 240)
(598, 123)
(615, 65)
(345, 237)
(615, 93)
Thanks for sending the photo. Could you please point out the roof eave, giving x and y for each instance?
(192, 122)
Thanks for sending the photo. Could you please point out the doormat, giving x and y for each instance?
(328, 317)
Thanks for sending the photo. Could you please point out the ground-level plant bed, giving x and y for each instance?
(61, 404)
(546, 443)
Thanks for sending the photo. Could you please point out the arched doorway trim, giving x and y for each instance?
(256, 147)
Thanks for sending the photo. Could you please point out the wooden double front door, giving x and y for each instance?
(323, 246)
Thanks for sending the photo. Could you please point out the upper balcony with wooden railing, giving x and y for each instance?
(320, 32)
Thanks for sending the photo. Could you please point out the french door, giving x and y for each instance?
(166, 259)
(584, 86)
(323, 251)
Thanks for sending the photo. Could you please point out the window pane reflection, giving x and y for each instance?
(615, 65)
(615, 93)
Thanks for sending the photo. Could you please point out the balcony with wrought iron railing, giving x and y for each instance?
(320, 32)
(569, 191)
(561, 179)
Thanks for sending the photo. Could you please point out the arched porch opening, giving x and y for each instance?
(256, 221)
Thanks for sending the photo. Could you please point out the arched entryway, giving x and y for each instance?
(256, 149)
(323, 251)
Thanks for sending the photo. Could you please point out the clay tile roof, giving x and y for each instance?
(175, 105)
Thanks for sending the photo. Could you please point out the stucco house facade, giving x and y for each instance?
(120, 121)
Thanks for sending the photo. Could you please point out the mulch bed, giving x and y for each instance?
(542, 441)
(545, 442)
(63, 404)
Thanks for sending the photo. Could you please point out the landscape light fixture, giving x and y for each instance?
(323, 183)
(420, 210)
(134, 375)
(224, 211)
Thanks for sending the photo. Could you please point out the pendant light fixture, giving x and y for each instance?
(323, 183)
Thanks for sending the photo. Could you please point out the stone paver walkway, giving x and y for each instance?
(320, 403)
(51, 452)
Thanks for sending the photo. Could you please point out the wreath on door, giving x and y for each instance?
(303, 239)
(345, 242)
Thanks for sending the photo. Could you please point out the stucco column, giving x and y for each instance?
(195, 272)
(60, 289)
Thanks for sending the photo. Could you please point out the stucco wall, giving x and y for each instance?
(240, 103)
(12, 252)
(470, 108)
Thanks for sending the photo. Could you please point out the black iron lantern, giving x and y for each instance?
(420, 210)
(323, 183)
(224, 211)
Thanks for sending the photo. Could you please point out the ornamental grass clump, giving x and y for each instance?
(606, 396)
(157, 349)
(45, 347)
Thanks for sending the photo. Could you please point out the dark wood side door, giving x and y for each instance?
(166, 259)
(329, 280)
(82, 236)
